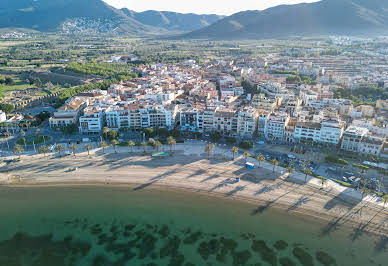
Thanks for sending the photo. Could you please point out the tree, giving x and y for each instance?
(23, 134)
(234, 151)
(88, 147)
(6, 107)
(323, 181)
(157, 145)
(290, 170)
(44, 149)
(114, 143)
(246, 145)
(274, 163)
(365, 191)
(113, 134)
(385, 199)
(171, 142)
(105, 130)
(74, 148)
(59, 148)
(209, 148)
(307, 172)
(144, 145)
(215, 136)
(103, 145)
(260, 158)
(18, 149)
(246, 156)
(131, 144)
(37, 131)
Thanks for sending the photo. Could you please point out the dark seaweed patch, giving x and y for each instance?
(281, 245)
(304, 258)
(193, 238)
(286, 262)
(170, 248)
(325, 259)
(241, 257)
(266, 253)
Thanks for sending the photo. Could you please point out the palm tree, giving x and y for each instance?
(307, 172)
(365, 191)
(260, 158)
(234, 151)
(59, 148)
(157, 145)
(105, 130)
(290, 170)
(131, 144)
(37, 132)
(246, 156)
(114, 143)
(23, 134)
(385, 199)
(103, 145)
(323, 181)
(74, 148)
(88, 147)
(275, 163)
(18, 149)
(44, 149)
(171, 142)
(144, 145)
(209, 148)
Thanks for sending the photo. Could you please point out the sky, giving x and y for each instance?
(220, 7)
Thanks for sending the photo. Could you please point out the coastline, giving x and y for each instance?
(195, 173)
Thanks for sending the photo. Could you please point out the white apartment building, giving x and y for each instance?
(307, 131)
(275, 126)
(331, 131)
(247, 122)
(372, 145)
(351, 140)
(225, 122)
(275, 90)
(92, 121)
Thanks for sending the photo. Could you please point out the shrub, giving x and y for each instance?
(361, 166)
(246, 145)
(331, 159)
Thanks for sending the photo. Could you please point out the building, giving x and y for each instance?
(3, 116)
(372, 145)
(307, 131)
(275, 125)
(351, 140)
(92, 121)
(68, 114)
(247, 122)
(331, 131)
(259, 101)
(225, 122)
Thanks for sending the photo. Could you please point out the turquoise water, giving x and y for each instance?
(121, 226)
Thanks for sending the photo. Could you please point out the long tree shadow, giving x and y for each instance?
(235, 190)
(266, 206)
(223, 183)
(196, 173)
(339, 200)
(267, 189)
(361, 229)
(381, 244)
(302, 200)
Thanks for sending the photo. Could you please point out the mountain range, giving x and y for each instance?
(96, 16)
(326, 17)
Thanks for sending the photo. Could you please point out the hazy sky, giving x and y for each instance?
(221, 7)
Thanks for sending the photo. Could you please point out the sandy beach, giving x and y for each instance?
(190, 169)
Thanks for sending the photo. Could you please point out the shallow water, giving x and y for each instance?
(120, 226)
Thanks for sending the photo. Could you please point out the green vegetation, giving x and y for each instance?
(363, 167)
(6, 107)
(346, 184)
(331, 159)
(33, 140)
(101, 69)
(246, 145)
(362, 95)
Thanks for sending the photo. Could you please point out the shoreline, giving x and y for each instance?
(195, 173)
(308, 214)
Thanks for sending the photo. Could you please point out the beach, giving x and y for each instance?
(190, 169)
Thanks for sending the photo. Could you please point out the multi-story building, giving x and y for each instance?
(191, 119)
(259, 101)
(331, 131)
(307, 131)
(351, 140)
(372, 145)
(92, 121)
(224, 121)
(247, 122)
(275, 126)
(68, 114)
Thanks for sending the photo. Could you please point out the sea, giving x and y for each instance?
(101, 226)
